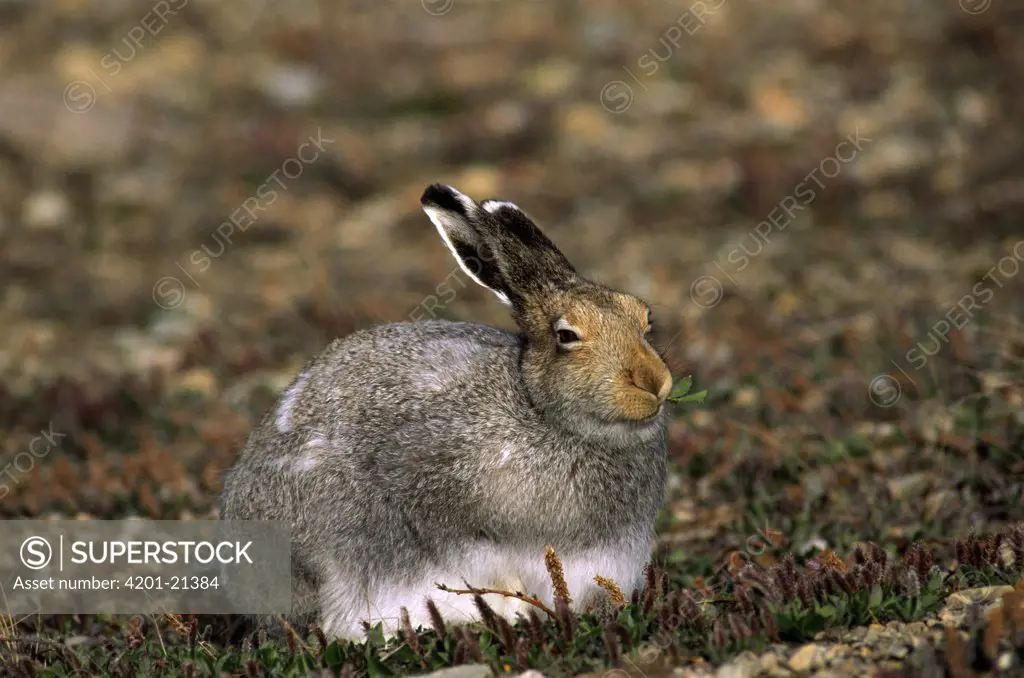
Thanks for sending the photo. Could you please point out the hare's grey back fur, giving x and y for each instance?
(413, 453)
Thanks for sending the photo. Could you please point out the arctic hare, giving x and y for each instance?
(416, 453)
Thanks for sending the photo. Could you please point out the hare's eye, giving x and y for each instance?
(565, 333)
(650, 322)
(567, 337)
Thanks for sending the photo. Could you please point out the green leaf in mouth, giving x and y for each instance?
(681, 392)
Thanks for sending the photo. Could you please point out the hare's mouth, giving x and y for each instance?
(651, 418)
(642, 408)
(633, 405)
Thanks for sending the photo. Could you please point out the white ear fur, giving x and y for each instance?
(446, 222)
(493, 206)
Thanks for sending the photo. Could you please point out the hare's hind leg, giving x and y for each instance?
(342, 600)
(304, 607)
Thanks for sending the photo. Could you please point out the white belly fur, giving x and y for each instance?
(344, 607)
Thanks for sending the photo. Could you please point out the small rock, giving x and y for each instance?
(746, 397)
(743, 665)
(779, 107)
(199, 380)
(973, 107)
(987, 597)
(772, 666)
(807, 658)
(982, 595)
(552, 78)
(855, 635)
(584, 126)
(909, 486)
(140, 353)
(917, 628)
(701, 419)
(874, 634)
(291, 84)
(835, 654)
(190, 311)
(889, 158)
(464, 671)
(941, 500)
(45, 209)
(737, 669)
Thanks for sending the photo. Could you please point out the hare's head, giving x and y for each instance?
(587, 362)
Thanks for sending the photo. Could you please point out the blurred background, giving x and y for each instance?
(822, 200)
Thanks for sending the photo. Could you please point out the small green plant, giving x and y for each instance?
(799, 622)
(681, 392)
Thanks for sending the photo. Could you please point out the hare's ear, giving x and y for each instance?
(499, 246)
(456, 217)
(529, 262)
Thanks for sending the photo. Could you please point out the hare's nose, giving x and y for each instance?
(657, 382)
(666, 386)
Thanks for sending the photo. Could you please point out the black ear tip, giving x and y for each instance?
(444, 197)
(429, 196)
